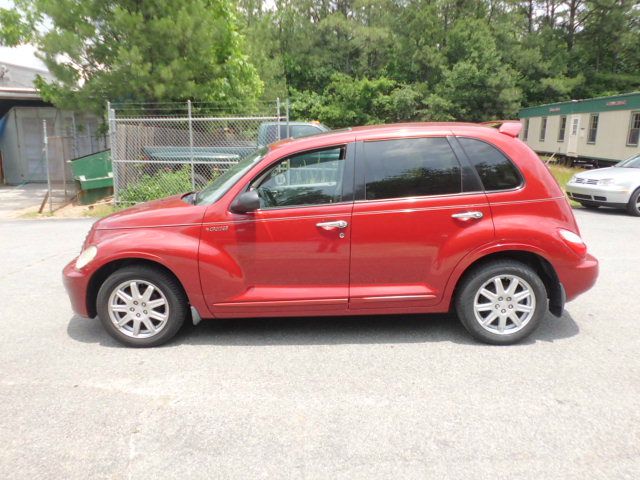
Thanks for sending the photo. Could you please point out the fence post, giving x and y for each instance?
(193, 170)
(111, 120)
(46, 161)
(278, 118)
(286, 106)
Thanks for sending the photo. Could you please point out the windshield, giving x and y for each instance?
(224, 182)
(633, 162)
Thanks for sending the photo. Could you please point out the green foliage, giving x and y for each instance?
(161, 184)
(14, 28)
(151, 51)
(348, 101)
(367, 61)
(341, 61)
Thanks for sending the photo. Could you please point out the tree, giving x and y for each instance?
(14, 28)
(151, 51)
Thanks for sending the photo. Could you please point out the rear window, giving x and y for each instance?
(410, 168)
(495, 170)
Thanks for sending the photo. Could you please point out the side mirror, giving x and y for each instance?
(246, 202)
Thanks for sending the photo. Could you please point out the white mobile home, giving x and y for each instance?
(600, 130)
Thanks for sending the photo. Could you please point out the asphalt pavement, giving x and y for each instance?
(378, 397)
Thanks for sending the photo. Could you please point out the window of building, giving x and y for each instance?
(525, 133)
(543, 128)
(410, 168)
(634, 130)
(495, 170)
(563, 128)
(593, 128)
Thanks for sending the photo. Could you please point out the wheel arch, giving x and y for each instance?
(537, 262)
(102, 273)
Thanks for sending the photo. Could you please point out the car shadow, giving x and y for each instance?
(374, 329)
(603, 211)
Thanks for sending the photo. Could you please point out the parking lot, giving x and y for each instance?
(381, 397)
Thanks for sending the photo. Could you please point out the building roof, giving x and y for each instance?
(625, 101)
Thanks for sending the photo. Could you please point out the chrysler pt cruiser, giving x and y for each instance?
(407, 218)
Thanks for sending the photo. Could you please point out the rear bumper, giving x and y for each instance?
(579, 278)
(76, 282)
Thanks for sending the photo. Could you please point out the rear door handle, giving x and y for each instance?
(468, 216)
(332, 225)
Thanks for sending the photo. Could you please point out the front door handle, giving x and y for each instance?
(332, 225)
(464, 216)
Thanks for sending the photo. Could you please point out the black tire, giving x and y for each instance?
(590, 206)
(165, 283)
(472, 283)
(633, 207)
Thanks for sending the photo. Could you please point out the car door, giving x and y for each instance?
(419, 209)
(291, 256)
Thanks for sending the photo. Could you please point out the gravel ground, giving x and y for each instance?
(378, 397)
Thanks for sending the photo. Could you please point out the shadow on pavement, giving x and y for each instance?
(325, 331)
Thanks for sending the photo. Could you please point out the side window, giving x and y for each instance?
(495, 170)
(593, 128)
(298, 131)
(563, 127)
(543, 128)
(310, 178)
(410, 167)
(634, 130)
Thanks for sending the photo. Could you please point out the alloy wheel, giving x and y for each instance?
(504, 304)
(138, 308)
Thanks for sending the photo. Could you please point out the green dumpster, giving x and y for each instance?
(94, 175)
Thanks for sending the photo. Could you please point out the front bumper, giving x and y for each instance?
(609, 195)
(76, 283)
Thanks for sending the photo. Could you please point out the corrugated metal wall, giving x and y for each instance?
(22, 141)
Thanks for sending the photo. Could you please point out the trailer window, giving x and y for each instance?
(634, 130)
(593, 128)
(525, 133)
(543, 129)
(563, 127)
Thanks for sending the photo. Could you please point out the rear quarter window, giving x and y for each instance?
(496, 171)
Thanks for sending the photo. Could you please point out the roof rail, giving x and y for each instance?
(508, 127)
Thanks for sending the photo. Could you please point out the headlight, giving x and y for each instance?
(86, 256)
(573, 179)
(606, 181)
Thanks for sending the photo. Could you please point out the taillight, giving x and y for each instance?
(573, 241)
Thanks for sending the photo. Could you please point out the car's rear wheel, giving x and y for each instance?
(501, 302)
(141, 306)
(633, 207)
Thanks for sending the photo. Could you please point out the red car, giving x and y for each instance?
(407, 218)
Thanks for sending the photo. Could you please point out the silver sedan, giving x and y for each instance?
(617, 186)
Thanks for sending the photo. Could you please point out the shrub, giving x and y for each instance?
(157, 185)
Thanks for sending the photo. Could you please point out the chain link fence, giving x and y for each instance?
(58, 152)
(159, 150)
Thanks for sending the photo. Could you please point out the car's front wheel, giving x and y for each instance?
(633, 207)
(141, 306)
(501, 302)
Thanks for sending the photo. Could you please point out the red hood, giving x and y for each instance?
(157, 213)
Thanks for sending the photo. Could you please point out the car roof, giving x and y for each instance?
(383, 132)
(284, 123)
